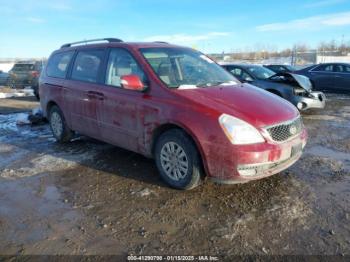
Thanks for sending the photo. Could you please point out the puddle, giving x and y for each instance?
(26, 207)
(9, 130)
(324, 118)
(327, 152)
(332, 97)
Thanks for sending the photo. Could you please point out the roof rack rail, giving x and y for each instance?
(92, 40)
(161, 42)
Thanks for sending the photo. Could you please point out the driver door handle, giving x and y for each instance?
(95, 95)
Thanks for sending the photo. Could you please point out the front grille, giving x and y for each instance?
(286, 130)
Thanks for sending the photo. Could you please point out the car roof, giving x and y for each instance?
(332, 63)
(276, 65)
(26, 62)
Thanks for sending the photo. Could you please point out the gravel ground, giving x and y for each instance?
(88, 197)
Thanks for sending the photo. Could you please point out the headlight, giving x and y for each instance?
(238, 131)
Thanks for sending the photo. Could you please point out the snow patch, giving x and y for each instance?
(17, 93)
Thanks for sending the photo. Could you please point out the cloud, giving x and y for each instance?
(323, 3)
(309, 23)
(35, 20)
(186, 38)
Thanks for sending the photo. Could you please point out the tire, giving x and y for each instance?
(58, 125)
(174, 149)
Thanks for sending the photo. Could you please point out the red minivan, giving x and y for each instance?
(173, 104)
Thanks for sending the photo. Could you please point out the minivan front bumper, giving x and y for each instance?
(241, 164)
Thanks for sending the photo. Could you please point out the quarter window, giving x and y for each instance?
(58, 64)
(121, 63)
(338, 68)
(87, 65)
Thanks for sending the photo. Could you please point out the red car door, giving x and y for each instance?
(82, 92)
(120, 108)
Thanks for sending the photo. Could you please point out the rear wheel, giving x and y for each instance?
(178, 160)
(58, 125)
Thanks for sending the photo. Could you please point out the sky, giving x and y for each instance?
(35, 28)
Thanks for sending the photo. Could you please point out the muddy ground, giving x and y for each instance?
(88, 197)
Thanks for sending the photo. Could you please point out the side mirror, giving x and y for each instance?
(132, 82)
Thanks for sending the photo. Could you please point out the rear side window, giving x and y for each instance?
(338, 68)
(323, 68)
(58, 64)
(87, 65)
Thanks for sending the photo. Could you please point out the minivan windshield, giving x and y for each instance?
(186, 68)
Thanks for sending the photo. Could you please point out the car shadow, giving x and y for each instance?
(83, 151)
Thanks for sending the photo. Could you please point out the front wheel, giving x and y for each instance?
(178, 160)
(58, 125)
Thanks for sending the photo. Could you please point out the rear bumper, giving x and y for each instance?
(314, 100)
(240, 164)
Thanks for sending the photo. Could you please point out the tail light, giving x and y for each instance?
(35, 73)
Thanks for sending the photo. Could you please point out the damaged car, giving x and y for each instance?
(173, 104)
(295, 88)
(281, 68)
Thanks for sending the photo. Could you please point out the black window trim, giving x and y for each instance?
(69, 64)
(101, 66)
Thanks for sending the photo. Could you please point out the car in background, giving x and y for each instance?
(281, 68)
(329, 77)
(25, 74)
(173, 104)
(297, 89)
(4, 78)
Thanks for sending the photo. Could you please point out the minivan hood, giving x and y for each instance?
(249, 103)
